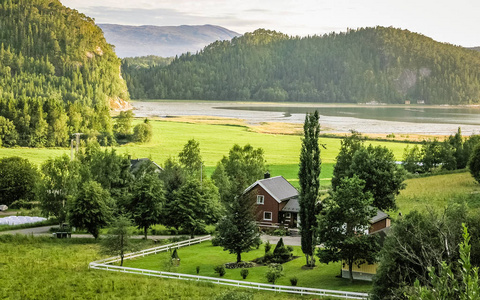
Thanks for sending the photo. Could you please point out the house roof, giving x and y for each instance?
(136, 163)
(380, 216)
(292, 206)
(278, 187)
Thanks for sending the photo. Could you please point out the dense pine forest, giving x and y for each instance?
(370, 64)
(57, 75)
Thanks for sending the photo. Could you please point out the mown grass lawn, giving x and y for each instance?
(44, 268)
(207, 257)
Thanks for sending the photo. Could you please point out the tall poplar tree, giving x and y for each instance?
(308, 175)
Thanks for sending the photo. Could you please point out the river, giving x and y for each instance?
(335, 118)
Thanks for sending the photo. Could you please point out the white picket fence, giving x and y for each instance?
(104, 264)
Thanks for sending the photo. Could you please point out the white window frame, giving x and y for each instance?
(262, 198)
(271, 216)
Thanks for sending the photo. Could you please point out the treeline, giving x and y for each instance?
(453, 153)
(370, 64)
(57, 75)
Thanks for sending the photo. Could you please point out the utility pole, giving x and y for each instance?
(77, 144)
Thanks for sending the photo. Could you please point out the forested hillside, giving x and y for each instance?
(371, 64)
(57, 75)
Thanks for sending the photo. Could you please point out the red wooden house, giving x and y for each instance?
(276, 202)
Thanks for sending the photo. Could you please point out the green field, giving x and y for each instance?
(437, 191)
(281, 151)
(207, 257)
(43, 268)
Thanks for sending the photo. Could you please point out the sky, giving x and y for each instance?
(452, 21)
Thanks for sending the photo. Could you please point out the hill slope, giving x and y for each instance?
(165, 41)
(372, 64)
(57, 74)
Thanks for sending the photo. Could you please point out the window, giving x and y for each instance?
(260, 199)
(267, 216)
(288, 215)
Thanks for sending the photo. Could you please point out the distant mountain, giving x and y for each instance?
(475, 48)
(379, 64)
(165, 41)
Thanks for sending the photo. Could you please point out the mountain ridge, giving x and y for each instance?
(381, 64)
(164, 41)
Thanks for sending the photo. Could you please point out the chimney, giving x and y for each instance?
(266, 175)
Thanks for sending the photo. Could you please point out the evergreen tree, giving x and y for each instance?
(237, 230)
(309, 178)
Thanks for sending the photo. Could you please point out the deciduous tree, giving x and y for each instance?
(90, 209)
(59, 185)
(147, 201)
(18, 178)
(117, 242)
(343, 225)
(309, 179)
(242, 167)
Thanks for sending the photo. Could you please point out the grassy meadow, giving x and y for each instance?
(207, 257)
(44, 268)
(436, 191)
(281, 151)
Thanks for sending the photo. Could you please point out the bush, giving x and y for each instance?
(215, 242)
(244, 273)
(23, 204)
(293, 281)
(242, 264)
(220, 270)
(275, 271)
(268, 246)
(280, 232)
(234, 295)
(143, 132)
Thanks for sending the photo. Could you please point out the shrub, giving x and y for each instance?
(198, 269)
(242, 264)
(275, 271)
(281, 254)
(142, 132)
(215, 242)
(280, 232)
(293, 281)
(244, 273)
(234, 295)
(220, 269)
(268, 246)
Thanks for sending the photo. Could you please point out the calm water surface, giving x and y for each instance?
(382, 119)
(415, 114)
